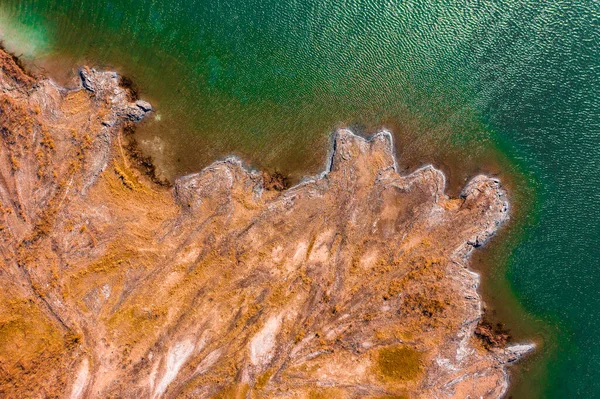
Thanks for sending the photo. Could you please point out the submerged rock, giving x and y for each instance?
(350, 284)
(144, 105)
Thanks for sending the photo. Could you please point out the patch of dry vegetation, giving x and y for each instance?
(399, 363)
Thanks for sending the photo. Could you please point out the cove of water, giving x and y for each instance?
(507, 87)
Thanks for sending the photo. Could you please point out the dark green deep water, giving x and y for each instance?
(513, 87)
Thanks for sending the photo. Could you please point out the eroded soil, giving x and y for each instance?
(228, 284)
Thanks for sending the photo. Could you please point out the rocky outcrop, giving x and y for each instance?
(351, 284)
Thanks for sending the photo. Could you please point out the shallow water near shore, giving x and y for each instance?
(504, 88)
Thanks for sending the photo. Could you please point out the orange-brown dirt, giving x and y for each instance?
(228, 284)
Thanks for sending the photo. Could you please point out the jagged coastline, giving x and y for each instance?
(354, 283)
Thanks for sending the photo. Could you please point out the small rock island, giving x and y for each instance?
(351, 284)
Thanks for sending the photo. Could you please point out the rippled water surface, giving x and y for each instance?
(512, 87)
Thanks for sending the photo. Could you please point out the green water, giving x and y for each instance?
(512, 86)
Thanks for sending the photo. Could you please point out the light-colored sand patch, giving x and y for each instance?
(300, 254)
(175, 360)
(81, 380)
(320, 249)
(262, 344)
(369, 259)
(277, 254)
(189, 255)
(106, 290)
(208, 361)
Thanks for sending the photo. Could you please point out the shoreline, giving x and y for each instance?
(514, 351)
(461, 256)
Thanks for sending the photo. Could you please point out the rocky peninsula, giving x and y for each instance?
(351, 284)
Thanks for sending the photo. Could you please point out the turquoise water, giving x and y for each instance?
(513, 86)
